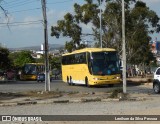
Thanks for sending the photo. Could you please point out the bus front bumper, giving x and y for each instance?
(100, 81)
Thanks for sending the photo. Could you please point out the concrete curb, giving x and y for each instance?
(90, 99)
(60, 101)
(81, 100)
(27, 102)
(8, 104)
(48, 101)
(75, 101)
(111, 100)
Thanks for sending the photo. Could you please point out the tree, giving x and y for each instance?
(5, 61)
(69, 28)
(140, 22)
(55, 63)
(41, 59)
(140, 19)
(69, 46)
(20, 58)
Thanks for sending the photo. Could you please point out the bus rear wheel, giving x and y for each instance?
(71, 81)
(68, 81)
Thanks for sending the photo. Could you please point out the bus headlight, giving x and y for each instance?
(117, 77)
(96, 79)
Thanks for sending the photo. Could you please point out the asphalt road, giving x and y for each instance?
(146, 107)
(58, 85)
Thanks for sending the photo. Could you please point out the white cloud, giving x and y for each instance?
(53, 16)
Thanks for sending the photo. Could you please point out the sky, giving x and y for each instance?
(25, 18)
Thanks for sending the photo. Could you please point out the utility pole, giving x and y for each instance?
(47, 75)
(100, 19)
(123, 48)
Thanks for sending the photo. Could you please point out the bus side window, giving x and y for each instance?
(72, 59)
(81, 58)
(89, 62)
(64, 60)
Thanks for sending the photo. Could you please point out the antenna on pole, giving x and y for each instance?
(47, 76)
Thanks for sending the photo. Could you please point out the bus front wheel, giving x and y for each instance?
(86, 82)
(110, 85)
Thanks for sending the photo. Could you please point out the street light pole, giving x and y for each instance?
(100, 19)
(47, 76)
(123, 48)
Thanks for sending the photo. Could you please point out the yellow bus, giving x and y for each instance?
(91, 66)
(30, 71)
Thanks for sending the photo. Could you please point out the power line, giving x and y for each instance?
(14, 2)
(60, 2)
(4, 2)
(25, 10)
(20, 23)
(21, 3)
(8, 6)
(9, 25)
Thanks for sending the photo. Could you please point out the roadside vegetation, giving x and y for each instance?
(15, 60)
(141, 22)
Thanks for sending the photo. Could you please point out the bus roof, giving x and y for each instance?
(90, 50)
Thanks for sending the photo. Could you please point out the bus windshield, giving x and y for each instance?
(30, 69)
(104, 63)
(33, 69)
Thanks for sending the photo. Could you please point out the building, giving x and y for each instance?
(155, 49)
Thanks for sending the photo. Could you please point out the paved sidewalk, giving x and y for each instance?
(74, 98)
